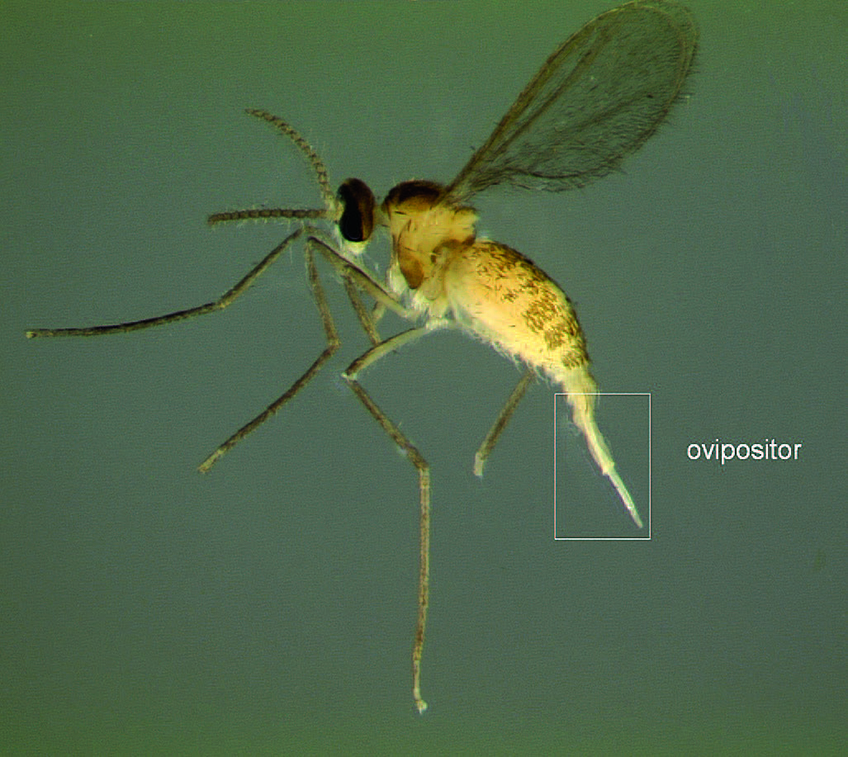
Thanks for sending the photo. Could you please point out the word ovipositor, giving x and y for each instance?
(720, 451)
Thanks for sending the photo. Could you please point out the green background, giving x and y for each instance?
(268, 607)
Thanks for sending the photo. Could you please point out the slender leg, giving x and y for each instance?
(378, 312)
(378, 350)
(500, 423)
(366, 281)
(382, 349)
(366, 319)
(333, 343)
(224, 301)
(423, 469)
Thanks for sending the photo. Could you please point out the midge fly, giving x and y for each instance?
(595, 100)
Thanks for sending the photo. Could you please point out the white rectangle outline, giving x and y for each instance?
(604, 538)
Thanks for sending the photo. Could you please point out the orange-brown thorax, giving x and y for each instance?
(424, 230)
(493, 291)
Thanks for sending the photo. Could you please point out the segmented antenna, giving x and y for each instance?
(262, 214)
(317, 164)
(330, 209)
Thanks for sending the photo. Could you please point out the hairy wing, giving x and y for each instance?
(596, 99)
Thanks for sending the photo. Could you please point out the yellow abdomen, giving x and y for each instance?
(503, 297)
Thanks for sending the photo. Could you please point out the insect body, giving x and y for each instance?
(596, 99)
(497, 294)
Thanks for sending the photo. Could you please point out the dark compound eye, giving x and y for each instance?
(357, 221)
